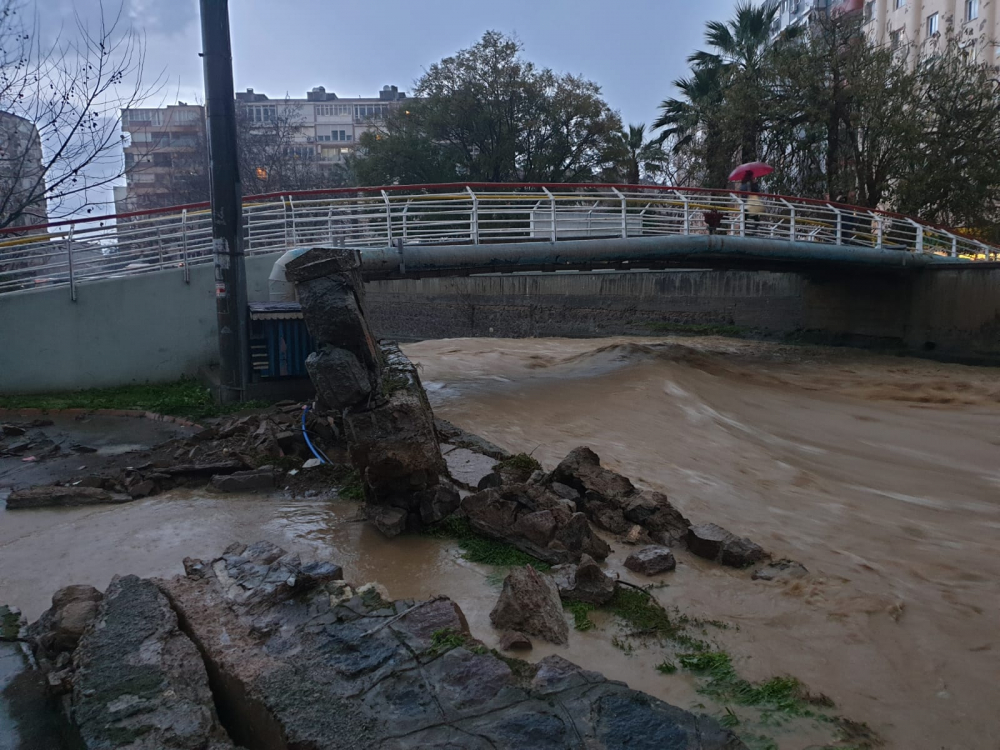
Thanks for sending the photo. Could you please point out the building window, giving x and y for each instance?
(141, 117)
(896, 38)
(263, 113)
(162, 160)
(900, 4)
(932, 24)
(971, 10)
(370, 111)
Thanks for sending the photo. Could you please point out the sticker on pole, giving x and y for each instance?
(220, 290)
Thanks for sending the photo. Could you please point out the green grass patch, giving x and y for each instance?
(479, 548)
(521, 462)
(445, 640)
(642, 613)
(581, 615)
(183, 398)
(666, 667)
(698, 329)
(784, 694)
(351, 487)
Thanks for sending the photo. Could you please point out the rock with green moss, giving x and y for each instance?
(140, 683)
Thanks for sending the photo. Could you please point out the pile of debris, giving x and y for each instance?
(27, 440)
(236, 454)
(300, 658)
(546, 515)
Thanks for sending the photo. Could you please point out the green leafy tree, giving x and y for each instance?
(953, 175)
(487, 114)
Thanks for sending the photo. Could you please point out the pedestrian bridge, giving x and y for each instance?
(459, 229)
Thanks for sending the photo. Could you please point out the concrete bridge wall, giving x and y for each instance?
(154, 327)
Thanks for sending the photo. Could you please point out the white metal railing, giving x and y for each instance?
(73, 253)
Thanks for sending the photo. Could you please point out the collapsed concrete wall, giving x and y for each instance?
(375, 393)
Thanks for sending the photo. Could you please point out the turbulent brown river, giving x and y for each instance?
(880, 474)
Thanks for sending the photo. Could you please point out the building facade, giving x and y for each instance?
(915, 24)
(327, 128)
(921, 24)
(802, 13)
(166, 148)
(22, 176)
(165, 157)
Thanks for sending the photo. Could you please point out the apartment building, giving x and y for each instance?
(796, 13)
(326, 128)
(165, 147)
(164, 157)
(22, 180)
(921, 24)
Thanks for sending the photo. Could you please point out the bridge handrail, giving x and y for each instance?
(72, 251)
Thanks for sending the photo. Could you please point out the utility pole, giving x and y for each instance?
(227, 200)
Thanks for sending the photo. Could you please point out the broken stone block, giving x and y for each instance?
(585, 582)
(530, 603)
(467, 467)
(140, 682)
(535, 521)
(394, 445)
(715, 543)
(514, 640)
(582, 471)
(340, 379)
(651, 561)
(56, 495)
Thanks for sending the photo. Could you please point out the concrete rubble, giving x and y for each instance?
(715, 543)
(585, 582)
(651, 561)
(536, 521)
(261, 650)
(529, 603)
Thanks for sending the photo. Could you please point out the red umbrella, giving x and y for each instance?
(756, 169)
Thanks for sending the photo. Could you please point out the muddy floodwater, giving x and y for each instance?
(880, 474)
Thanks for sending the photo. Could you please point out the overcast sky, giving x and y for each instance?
(632, 48)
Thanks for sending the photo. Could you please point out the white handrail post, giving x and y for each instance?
(687, 212)
(69, 261)
(474, 217)
(954, 245)
(406, 210)
(624, 213)
(791, 219)
(552, 213)
(159, 247)
(388, 216)
(920, 235)
(840, 223)
(184, 245)
(329, 224)
(878, 229)
(743, 214)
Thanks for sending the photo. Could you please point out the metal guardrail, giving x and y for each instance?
(71, 253)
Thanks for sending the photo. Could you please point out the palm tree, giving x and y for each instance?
(721, 104)
(638, 157)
